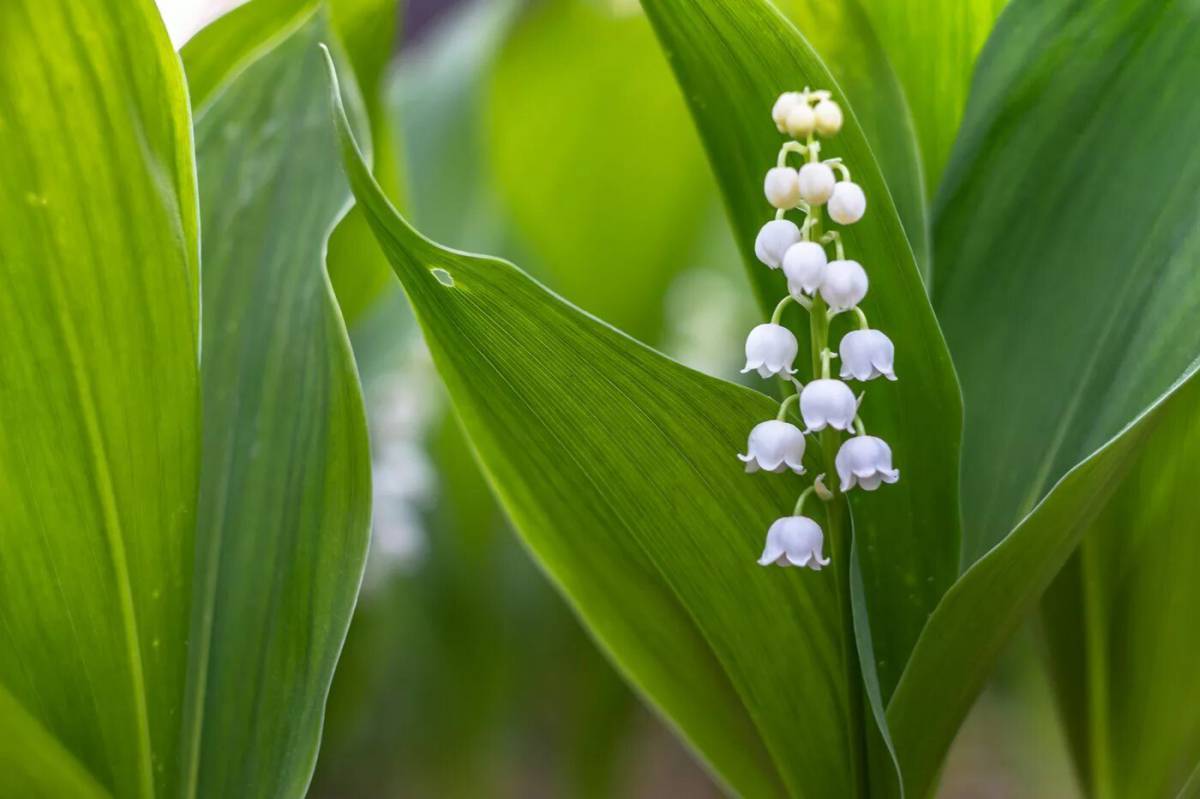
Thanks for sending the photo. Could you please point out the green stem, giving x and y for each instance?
(862, 319)
(839, 547)
(859, 427)
(796, 511)
(785, 406)
(777, 314)
(789, 147)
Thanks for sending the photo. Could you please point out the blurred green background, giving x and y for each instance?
(550, 133)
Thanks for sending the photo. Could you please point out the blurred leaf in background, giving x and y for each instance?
(592, 154)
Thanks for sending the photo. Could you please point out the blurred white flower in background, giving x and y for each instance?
(402, 406)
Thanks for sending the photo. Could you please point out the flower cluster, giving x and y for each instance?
(825, 288)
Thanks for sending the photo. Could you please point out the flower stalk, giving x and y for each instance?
(823, 192)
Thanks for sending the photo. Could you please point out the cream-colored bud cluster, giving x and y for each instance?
(825, 288)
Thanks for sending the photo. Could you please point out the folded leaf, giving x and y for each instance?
(99, 390)
(933, 44)
(618, 468)
(285, 488)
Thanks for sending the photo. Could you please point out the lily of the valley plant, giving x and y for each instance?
(825, 289)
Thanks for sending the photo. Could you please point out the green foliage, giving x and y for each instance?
(1069, 294)
(932, 45)
(644, 553)
(908, 534)
(100, 379)
(163, 604)
(285, 483)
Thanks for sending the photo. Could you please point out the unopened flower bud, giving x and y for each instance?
(771, 349)
(794, 541)
(829, 117)
(844, 285)
(865, 461)
(782, 187)
(773, 241)
(866, 355)
(847, 204)
(775, 446)
(784, 106)
(804, 266)
(828, 403)
(815, 183)
(801, 121)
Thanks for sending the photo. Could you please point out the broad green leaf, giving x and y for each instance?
(971, 625)
(1121, 625)
(842, 34)
(366, 29)
(591, 151)
(908, 534)
(617, 467)
(285, 488)
(99, 391)
(225, 46)
(1065, 326)
(932, 45)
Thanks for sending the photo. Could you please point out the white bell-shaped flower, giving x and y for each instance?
(787, 102)
(847, 204)
(865, 461)
(801, 121)
(828, 117)
(775, 446)
(815, 183)
(844, 285)
(774, 239)
(828, 403)
(804, 265)
(782, 187)
(866, 355)
(794, 541)
(771, 349)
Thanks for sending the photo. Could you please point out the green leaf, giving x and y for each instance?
(908, 534)
(33, 761)
(617, 466)
(1069, 308)
(933, 44)
(1121, 624)
(1065, 325)
(99, 376)
(842, 34)
(591, 153)
(366, 29)
(285, 489)
(967, 632)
